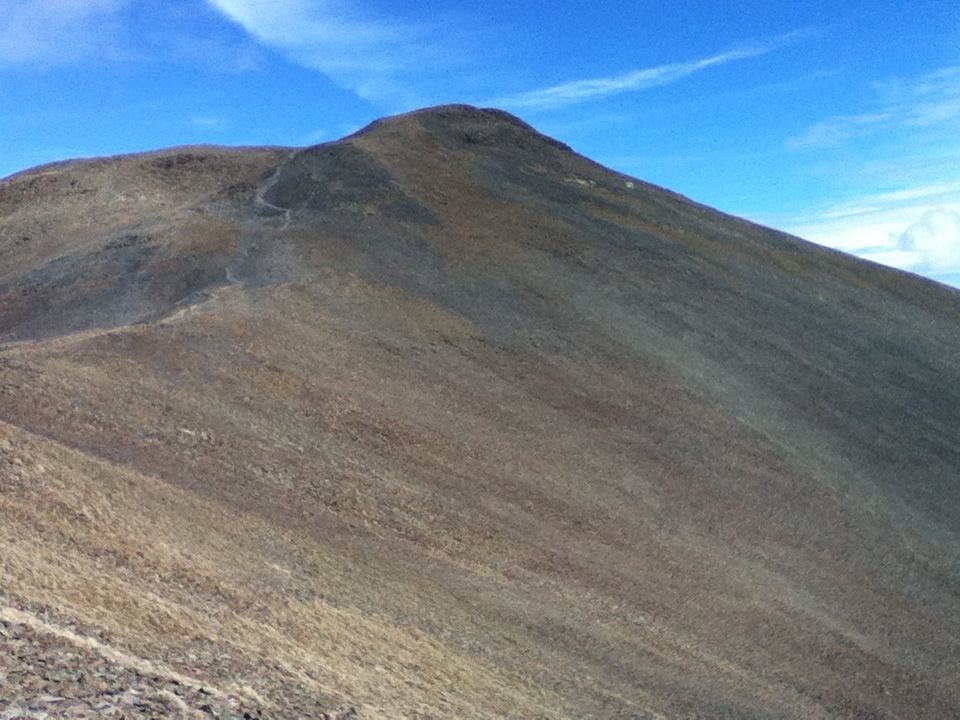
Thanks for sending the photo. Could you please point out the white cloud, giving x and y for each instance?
(55, 32)
(933, 242)
(207, 122)
(927, 101)
(912, 124)
(382, 59)
(869, 207)
(916, 229)
(836, 130)
(577, 91)
(566, 94)
(369, 56)
(893, 210)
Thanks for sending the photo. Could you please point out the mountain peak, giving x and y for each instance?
(466, 125)
(445, 419)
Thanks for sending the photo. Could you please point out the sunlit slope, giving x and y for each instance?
(540, 438)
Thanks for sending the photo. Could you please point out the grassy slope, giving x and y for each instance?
(502, 435)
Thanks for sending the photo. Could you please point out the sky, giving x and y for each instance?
(834, 120)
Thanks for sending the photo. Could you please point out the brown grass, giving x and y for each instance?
(494, 435)
(153, 565)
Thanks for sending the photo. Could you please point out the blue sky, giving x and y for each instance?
(835, 120)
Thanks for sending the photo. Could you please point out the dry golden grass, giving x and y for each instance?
(471, 427)
(151, 564)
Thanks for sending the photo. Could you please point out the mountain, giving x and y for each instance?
(443, 420)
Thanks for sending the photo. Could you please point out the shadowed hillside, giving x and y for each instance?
(444, 420)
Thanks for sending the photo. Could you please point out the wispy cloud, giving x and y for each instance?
(930, 245)
(895, 200)
(578, 91)
(207, 122)
(833, 132)
(926, 101)
(912, 124)
(372, 57)
(62, 32)
(56, 32)
(915, 229)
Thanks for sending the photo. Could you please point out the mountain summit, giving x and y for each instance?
(445, 420)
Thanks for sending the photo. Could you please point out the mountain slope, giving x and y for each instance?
(445, 420)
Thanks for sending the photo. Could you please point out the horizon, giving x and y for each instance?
(851, 113)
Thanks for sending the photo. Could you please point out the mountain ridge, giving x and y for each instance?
(583, 447)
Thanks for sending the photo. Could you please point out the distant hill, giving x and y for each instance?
(443, 420)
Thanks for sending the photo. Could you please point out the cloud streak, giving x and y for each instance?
(578, 91)
(932, 244)
(927, 101)
(372, 57)
(390, 62)
(56, 32)
(916, 229)
(566, 94)
(912, 124)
